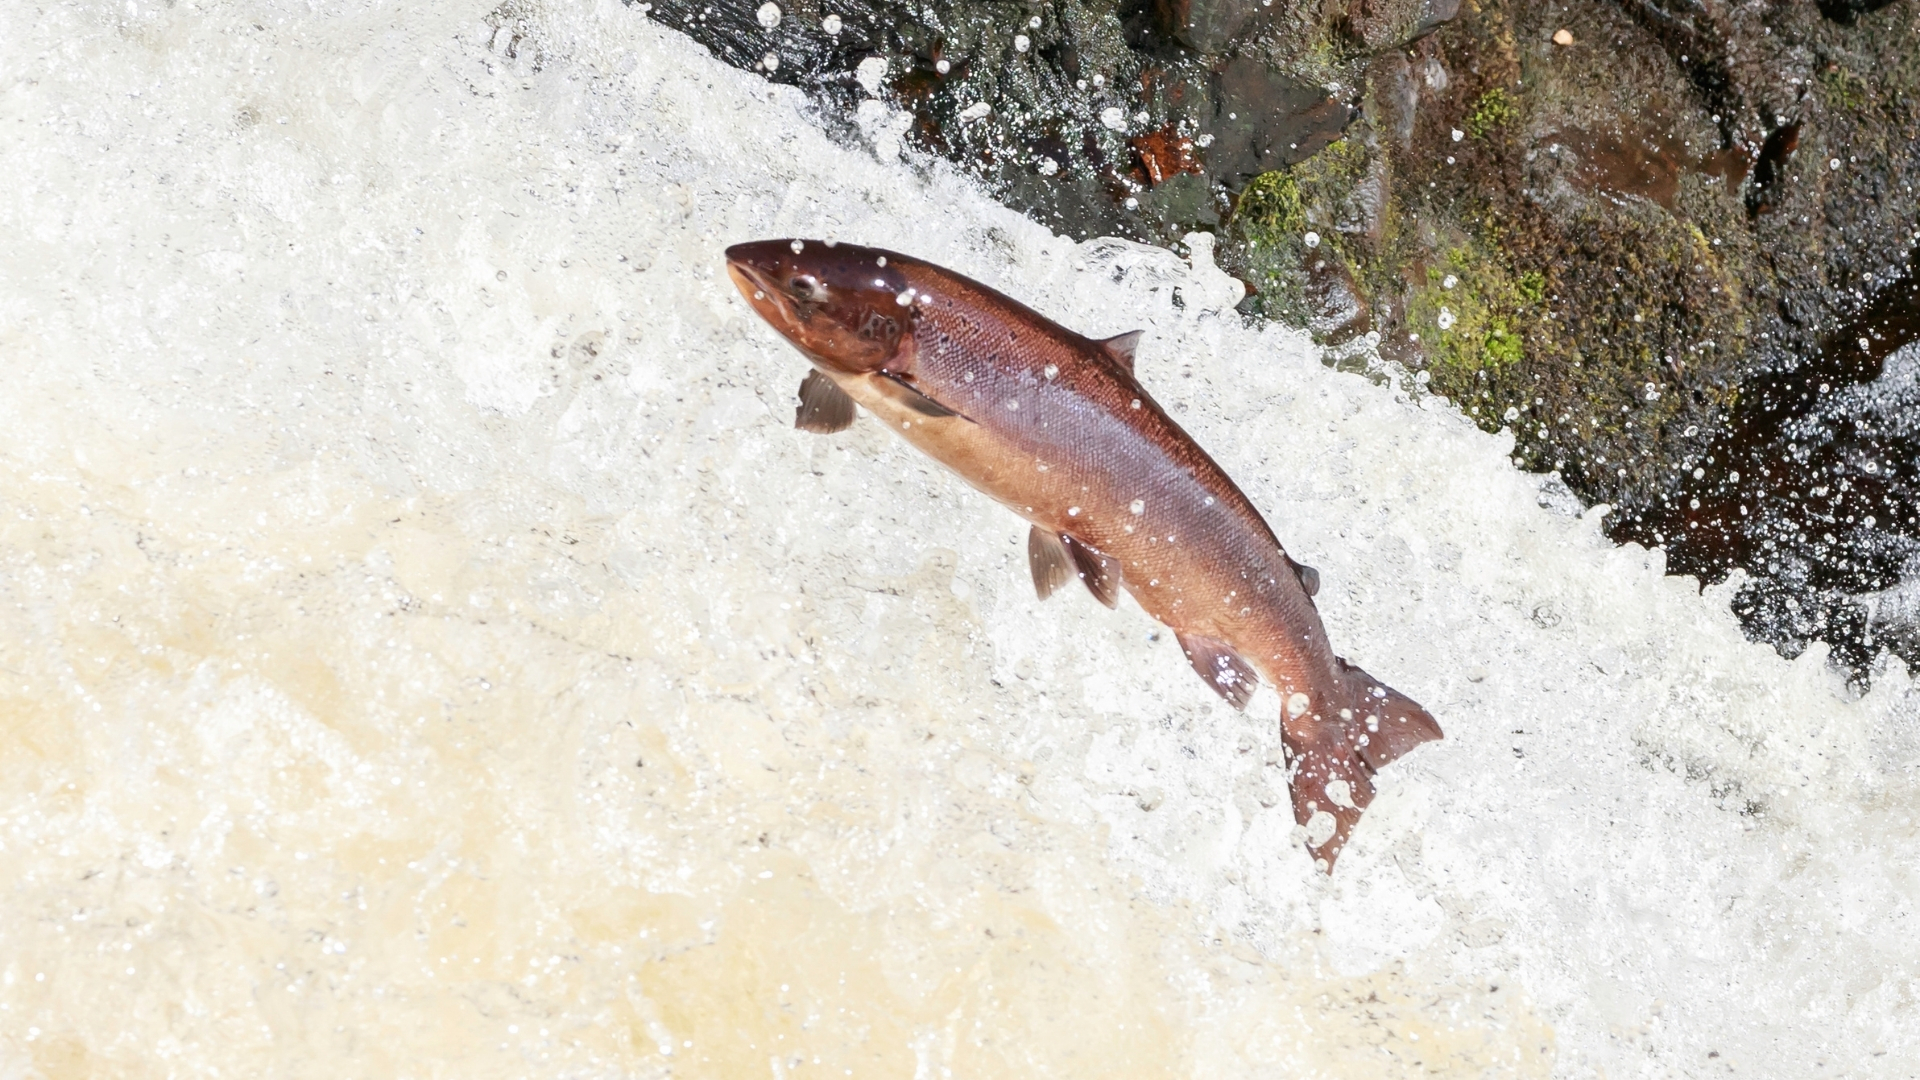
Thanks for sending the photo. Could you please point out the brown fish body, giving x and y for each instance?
(1054, 426)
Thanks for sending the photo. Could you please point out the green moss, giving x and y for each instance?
(1270, 208)
(1493, 109)
(1841, 88)
(1474, 325)
(1502, 344)
(1532, 286)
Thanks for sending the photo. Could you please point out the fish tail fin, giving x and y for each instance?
(1333, 752)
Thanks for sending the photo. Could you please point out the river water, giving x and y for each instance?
(427, 649)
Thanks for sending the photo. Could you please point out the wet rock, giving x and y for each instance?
(1264, 120)
(1386, 24)
(1846, 11)
(1207, 26)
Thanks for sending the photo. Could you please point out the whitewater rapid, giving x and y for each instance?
(427, 648)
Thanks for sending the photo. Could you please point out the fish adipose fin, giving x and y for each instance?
(1048, 559)
(824, 407)
(1335, 746)
(907, 394)
(1120, 347)
(1309, 578)
(1230, 676)
(1099, 572)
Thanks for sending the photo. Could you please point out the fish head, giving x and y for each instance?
(846, 307)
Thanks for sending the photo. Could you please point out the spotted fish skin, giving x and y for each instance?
(1056, 427)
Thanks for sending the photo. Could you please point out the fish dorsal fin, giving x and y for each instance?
(1121, 346)
(901, 389)
(1099, 572)
(1048, 559)
(1309, 578)
(824, 407)
(1224, 670)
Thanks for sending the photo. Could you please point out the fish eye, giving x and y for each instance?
(805, 286)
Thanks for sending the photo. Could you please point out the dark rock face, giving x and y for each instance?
(1648, 236)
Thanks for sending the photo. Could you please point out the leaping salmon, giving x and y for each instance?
(1056, 428)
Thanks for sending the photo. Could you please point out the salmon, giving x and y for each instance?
(1055, 427)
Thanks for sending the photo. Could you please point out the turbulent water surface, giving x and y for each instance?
(426, 648)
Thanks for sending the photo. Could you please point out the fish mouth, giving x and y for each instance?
(753, 277)
(760, 259)
(756, 273)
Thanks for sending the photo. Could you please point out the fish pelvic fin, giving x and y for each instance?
(1336, 745)
(1048, 559)
(1101, 573)
(824, 407)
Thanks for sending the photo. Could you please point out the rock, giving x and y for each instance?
(1388, 24)
(1165, 154)
(1846, 11)
(1207, 26)
(1264, 120)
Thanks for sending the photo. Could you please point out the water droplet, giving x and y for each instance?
(1021, 43)
(1458, 135)
(1446, 319)
(769, 15)
(831, 24)
(1297, 703)
(1073, 511)
(1136, 403)
(1051, 370)
(1449, 281)
(770, 61)
(798, 246)
(942, 66)
(1312, 239)
(881, 261)
(1138, 506)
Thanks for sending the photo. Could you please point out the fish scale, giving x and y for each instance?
(1055, 426)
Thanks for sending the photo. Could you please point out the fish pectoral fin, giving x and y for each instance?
(1223, 669)
(824, 407)
(1101, 573)
(1309, 578)
(1048, 559)
(903, 391)
(1120, 347)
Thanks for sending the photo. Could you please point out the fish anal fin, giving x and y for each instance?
(824, 407)
(903, 391)
(1099, 572)
(1048, 559)
(1224, 670)
(1120, 347)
